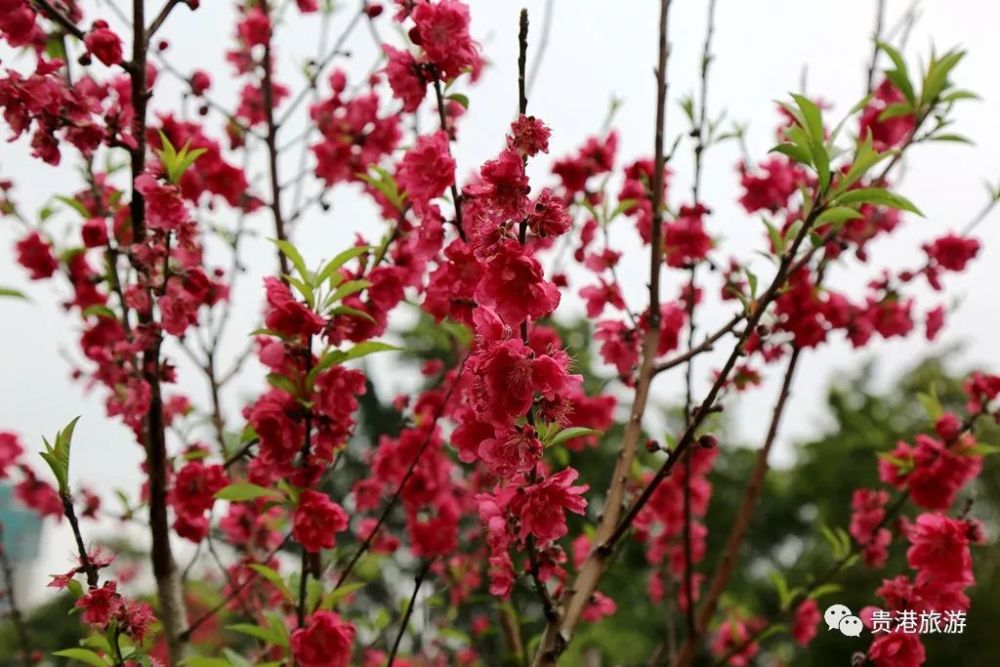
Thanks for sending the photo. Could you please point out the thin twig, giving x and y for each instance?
(162, 17)
(699, 150)
(250, 578)
(55, 15)
(557, 634)
(876, 37)
(730, 553)
(402, 483)
(419, 581)
(455, 197)
(271, 141)
(543, 44)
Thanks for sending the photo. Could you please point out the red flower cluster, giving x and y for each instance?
(192, 495)
(931, 470)
(327, 641)
(317, 520)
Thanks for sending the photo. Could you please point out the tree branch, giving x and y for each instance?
(55, 15)
(271, 142)
(699, 150)
(730, 553)
(455, 197)
(402, 484)
(168, 585)
(557, 634)
(421, 575)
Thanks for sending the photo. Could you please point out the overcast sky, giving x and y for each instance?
(596, 50)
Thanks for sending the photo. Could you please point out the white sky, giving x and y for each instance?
(596, 50)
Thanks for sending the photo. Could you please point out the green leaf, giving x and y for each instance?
(777, 242)
(687, 106)
(352, 312)
(904, 465)
(235, 659)
(384, 182)
(12, 293)
(83, 655)
(878, 196)
(460, 98)
(75, 205)
(244, 491)
(899, 76)
(306, 290)
(936, 79)
(331, 599)
(57, 456)
(954, 138)
(775, 629)
(931, 403)
(956, 95)
(99, 642)
(864, 159)
(339, 261)
(895, 111)
(176, 163)
(812, 117)
(283, 383)
(797, 153)
(75, 587)
(836, 546)
(825, 589)
(347, 289)
(838, 214)
(54, 47)
(781, 586)
(204, 661)
(623, 205)
(752, 280)
(845, 541)
(98, 310)
(369, 347)
(264, 634)
(570, 433)
(980, 449)
(274, 578)
(293, 255)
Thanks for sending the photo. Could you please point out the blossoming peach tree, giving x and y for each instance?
(306, 521)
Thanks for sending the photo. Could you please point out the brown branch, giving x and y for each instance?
(876, 36)
(455, 197)
(162, 16)
(314, 75)
(233, 594)
(402, 484)
(304, 569)
(419, 581)
(53, 13)
(706, 345)
(86, 564)
(557, 634)
(730, 553)
(543, 44)
(511, 630)
(699, 150)
(544, 596)
(271, 141)
(168, 585)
